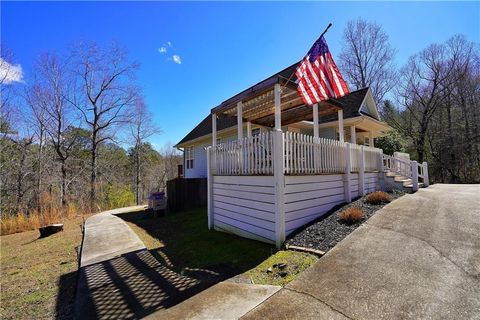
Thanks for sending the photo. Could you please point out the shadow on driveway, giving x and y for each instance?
(133, 285)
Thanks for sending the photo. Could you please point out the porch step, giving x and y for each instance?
(399, 182)
(420, 185)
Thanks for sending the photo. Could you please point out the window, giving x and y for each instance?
(189, 156)
(366, 141)
(255, 132)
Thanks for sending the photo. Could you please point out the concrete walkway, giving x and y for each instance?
(118, 276)
(120, 279)
(417, 258)
(107, 237)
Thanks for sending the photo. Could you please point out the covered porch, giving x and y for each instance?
(266, 185)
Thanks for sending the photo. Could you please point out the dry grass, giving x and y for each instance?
(351, 215)
(38, 275)
(48, 213)
(378, 197)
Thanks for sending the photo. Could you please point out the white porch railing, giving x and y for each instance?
(303, 154)
(249, 156)
(409, 169)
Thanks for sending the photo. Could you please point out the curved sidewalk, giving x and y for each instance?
(118, 276)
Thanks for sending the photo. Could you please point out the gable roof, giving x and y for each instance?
(351, 104)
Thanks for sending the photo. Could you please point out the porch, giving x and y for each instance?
(265, 186)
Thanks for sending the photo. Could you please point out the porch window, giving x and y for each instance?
(367, 141)
(255, 132)
(189, 157)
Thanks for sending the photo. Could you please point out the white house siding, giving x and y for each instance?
(199, 169)
(327, 133)
(309, 197)
(372, 182)
(355, 192)
(244, 205)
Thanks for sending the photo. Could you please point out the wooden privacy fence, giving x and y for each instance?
(302, 154)
(186, 193)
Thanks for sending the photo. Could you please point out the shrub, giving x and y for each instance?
(118, 196)
(351, 215)
(378, 197)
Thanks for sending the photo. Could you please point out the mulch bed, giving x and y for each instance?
(324, 233)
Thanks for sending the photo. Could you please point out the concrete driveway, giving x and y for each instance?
(417, 258)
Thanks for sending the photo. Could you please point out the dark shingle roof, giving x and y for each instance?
(351, 104)
(205, 127)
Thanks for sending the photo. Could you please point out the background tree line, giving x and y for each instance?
(76, 132)
(432, 102)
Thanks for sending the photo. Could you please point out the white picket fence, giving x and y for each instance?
(302, 155)
(249, 156)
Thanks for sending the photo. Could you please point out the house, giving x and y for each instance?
(274, 164)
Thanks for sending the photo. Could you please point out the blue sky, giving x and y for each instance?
(224, 47)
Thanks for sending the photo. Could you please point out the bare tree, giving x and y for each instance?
(48, 96)
(425, 83)
(366, 59)
(439, 94)
(142, 127)
(106, 95)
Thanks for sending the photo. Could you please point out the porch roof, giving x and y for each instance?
(351, 104)
(259, 107)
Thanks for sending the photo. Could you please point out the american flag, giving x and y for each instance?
(318, 75)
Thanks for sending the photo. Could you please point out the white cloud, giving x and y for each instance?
(10, 73)
(169, 44)
(177, 59)
(162, 49)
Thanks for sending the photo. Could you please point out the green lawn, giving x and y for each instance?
(183, 242)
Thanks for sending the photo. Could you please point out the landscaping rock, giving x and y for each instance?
(324, 233)
(282, 265)
(283, 274)
(269, 270)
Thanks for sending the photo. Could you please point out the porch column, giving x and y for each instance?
(315, 122)
(370, 137)
(353, 135)
(340, 126)
(240, 120)
(278, 107)
(249, 129)
(278, 170)
(211, 166)
(214, 129)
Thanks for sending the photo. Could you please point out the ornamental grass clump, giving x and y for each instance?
(351, 215)
(378, 197)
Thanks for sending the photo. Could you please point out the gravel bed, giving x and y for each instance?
(323, 234)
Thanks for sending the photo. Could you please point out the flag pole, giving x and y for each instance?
(324, 31)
